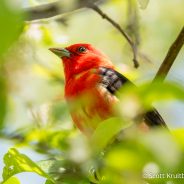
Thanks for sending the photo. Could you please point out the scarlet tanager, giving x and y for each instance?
(91, 82)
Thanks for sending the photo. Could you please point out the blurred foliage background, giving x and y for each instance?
(34, 117)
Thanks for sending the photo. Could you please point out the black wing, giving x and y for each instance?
(113, 81)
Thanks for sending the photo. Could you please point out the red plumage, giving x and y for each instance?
(90, 85)
(82, 89)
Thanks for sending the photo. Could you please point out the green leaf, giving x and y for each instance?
(3, 98)
(143, 3)
(121, 158)
(16, 162)
(11, 20)
(179, 136)
(52, 167)
(48, 182)
(47, 35)
(12, 180)
(106, 131)
(11, 24)
(63, 171)
(160, 92)
(150, 93)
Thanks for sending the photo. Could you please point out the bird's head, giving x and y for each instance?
(81, 57)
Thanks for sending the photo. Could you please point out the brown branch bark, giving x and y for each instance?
(119, 28)
(56, 8)
(170, 57)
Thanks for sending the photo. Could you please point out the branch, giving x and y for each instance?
(119, 28)
(53, 9)
(170, 57)
(42, 11)
(56, 8)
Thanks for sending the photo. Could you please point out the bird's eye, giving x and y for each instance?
(82, 49)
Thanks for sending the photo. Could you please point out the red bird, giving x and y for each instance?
(91, 83)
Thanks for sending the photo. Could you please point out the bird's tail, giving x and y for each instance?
(154, 119)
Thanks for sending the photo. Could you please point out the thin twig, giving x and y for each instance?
(170, 57)
(35, 117)
(55, 8)
(132, 26)
(119, 28)
(145, 57)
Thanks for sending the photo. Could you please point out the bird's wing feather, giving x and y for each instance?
(113, 81)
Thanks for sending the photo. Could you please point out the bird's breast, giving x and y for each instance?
(89, 101)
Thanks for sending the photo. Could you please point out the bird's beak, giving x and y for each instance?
(60, 52)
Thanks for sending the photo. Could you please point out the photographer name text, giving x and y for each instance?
(163, 175)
